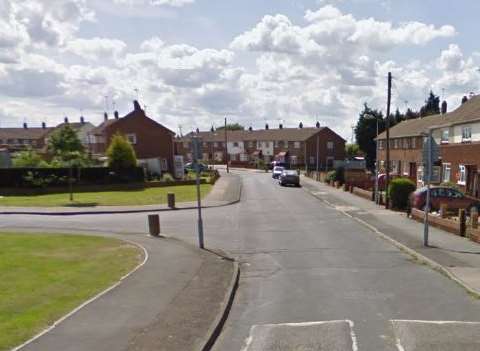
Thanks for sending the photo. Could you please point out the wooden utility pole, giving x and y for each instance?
(226, 148)
(387, 126)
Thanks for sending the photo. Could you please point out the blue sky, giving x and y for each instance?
(257, 61)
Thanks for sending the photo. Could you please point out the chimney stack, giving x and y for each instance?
(280, 126)
(65, 119)
(266, 126)
(250, 128)
(25, 126)
(136, 106)
(318, 124)
(105, 116)
(82, 120)
(197, 130)
(44, 125)
(212, 129)
(300, 125)
(444, 107)
(116, 115)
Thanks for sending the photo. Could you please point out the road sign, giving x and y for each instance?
(196, 149)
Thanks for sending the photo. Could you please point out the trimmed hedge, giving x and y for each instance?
(399, 191)
(42, 177)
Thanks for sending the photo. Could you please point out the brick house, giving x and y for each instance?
(17, 139)
(458, 136)
(153, 142)
(82, 129)
(296, 146)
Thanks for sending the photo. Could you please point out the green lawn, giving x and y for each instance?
(44, 276)
(147, 196)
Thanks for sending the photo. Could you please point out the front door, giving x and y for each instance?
(471, 176)
(413, 170)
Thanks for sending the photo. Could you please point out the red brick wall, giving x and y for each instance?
(325, 135)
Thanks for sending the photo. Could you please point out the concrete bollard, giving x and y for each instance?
(443, 210)
(154, 224)
(474, 217)
(171, 200)
(462, 218)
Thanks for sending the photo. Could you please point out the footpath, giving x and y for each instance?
(177, 300)
(226, 191)
(455, 256)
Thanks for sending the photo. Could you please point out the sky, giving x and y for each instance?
(190, 63)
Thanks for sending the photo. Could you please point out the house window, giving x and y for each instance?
(205, 156)
(406, 143)
(293, 160)
(267, 144)
(444, 138)
(446, 171)
(414, 143)
(330, 145)
(466, 133)
(132, 138)
(380, 144)
(296, 145)
(185, 145)
(285, 143)
(244, 157)
(395, 143)
(312, 160)
(462, 177)
(164, 164)
(235, 144)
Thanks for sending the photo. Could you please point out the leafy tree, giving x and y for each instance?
(232, 126)
(432, 106)
(410, 114)
(28, 159)
(352, 150)
(120, 153)
(366, 132)
(66, 147)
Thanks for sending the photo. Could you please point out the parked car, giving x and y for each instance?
(289, 177)
(190, 167)
(454, 198)
(277, 171)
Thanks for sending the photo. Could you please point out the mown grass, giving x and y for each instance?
(147, 196)
(44, 276)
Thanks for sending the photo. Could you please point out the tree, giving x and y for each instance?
(410, 114)
(366, 132)
(28, 159)
(432, 106)
(352, 150)
(120, 153)
(232, 126)
(66, 147)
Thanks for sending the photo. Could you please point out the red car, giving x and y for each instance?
(454, 198)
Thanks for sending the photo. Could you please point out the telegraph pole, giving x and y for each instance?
(226, 148)
(387, 126)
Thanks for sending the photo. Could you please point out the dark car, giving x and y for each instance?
(190, 167)
(289, 177)
(454, 198)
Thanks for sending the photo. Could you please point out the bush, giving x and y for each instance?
(167, 177)
(399, 191)
(330, 176)
(336, 175)
(121, 153)
(28, 159)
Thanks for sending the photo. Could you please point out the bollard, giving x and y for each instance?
(154, 224)
(443, 210)
(462, 218)
(474, 217)
(171, 200)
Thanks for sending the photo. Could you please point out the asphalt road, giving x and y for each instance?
(311, 278)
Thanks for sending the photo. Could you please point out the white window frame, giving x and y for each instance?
(132, 138)
(293, 160)
(462, 179)
(215, 144)
(395, 143)
(414, 143)
(446, 169)
(467, 133)
(296, 144)
(330, 145)
(164, 164)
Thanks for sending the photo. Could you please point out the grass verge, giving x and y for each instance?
(147, 196)
(44, 276)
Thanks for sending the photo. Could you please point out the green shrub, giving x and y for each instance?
(120, 153)
(399, 191)
(167, 177)
(330, 176)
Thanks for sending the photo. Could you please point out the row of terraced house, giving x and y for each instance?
(458, 135)
(299, 147)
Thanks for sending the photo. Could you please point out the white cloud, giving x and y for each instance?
(96, 48)
(172, 3)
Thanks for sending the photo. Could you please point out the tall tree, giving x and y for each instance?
(232, 126)
(66, 147)
(352, 150)
(366, 132)
(432, 105)
(410, 114)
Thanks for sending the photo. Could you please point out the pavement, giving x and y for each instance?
(172, 302)
(226, 191)
(457, 255)
(311, 272)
